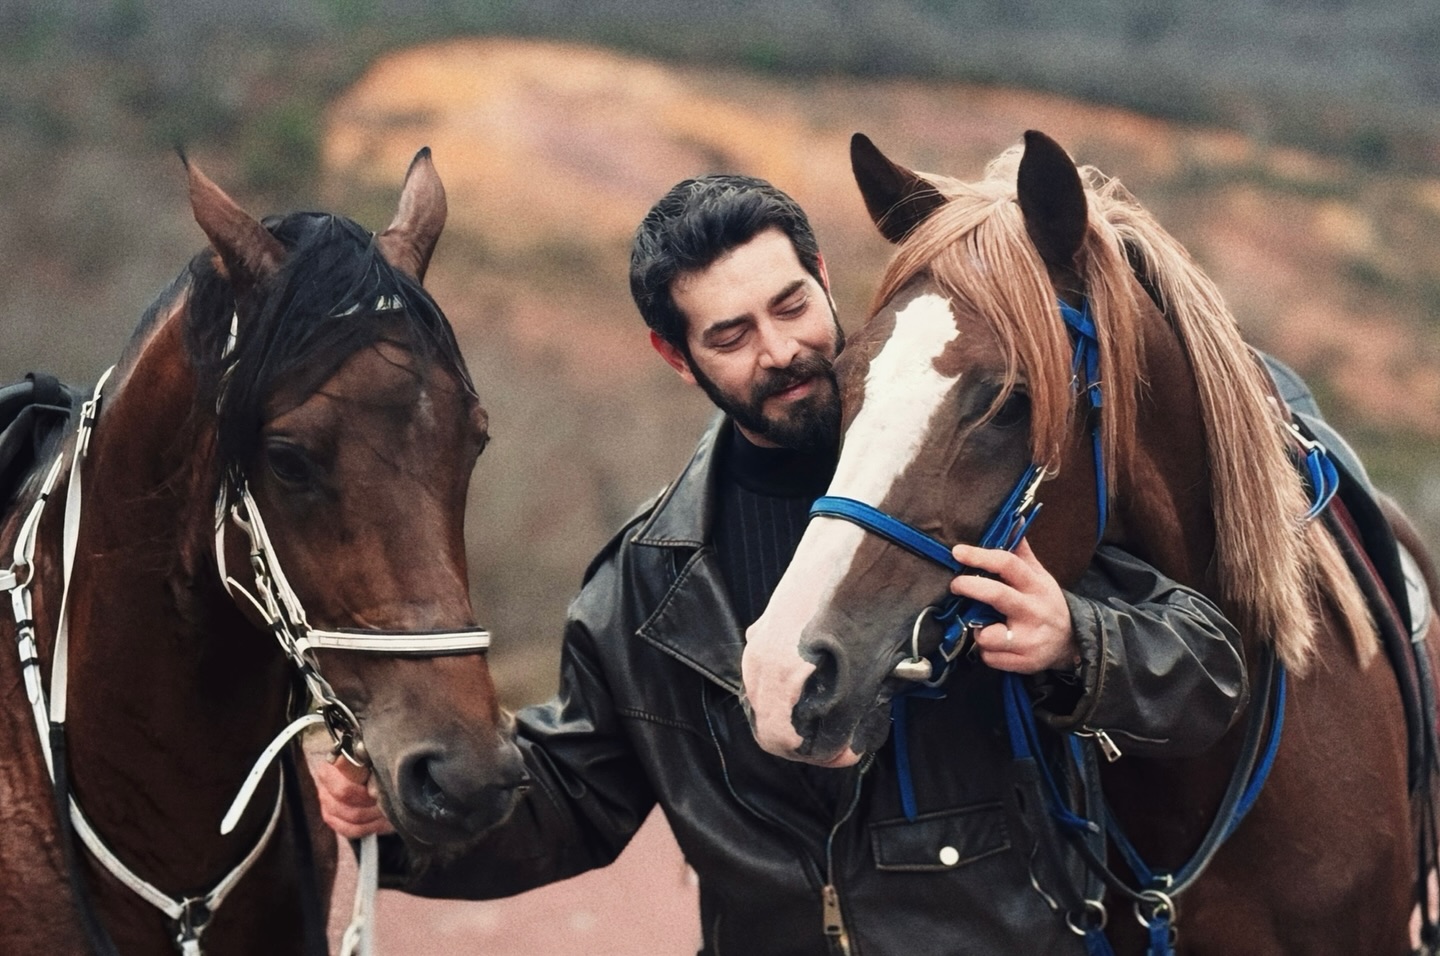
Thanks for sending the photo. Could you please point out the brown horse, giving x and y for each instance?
(962, 379)
(298, 371)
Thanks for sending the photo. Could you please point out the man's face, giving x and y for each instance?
(761, 333)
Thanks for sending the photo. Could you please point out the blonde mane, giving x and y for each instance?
(1272, 569)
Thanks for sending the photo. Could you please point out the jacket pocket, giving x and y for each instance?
(940, 841)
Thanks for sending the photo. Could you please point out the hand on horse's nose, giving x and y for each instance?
(463, 789)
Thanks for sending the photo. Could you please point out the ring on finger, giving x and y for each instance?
(1009, 637)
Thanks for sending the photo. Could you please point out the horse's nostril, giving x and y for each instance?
(462, 789)
(821, 684)
(421, 789)
(818, 695)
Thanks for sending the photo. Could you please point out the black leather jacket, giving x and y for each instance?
(647, 712)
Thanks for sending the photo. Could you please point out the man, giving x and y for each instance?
(792, 858)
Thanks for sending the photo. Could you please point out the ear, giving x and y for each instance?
(247, 251)
(410, 239)
(1052, 200)
(897, 198)
(824, 273)
(673, 357)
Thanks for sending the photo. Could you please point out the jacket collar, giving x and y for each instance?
(685, 512)
(694, 621)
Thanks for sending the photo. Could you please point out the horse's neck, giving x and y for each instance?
(171, 693)
(1163, 508)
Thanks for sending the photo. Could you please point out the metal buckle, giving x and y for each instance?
(917, 667)
(195, 914)
(1092, 917)
(1161, 904)
(344, 728)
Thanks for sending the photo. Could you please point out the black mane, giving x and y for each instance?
(334, 295)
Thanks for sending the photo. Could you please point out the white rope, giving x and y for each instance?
(359, 938)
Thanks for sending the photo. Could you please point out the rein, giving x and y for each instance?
(1154, 899)
(282, 611)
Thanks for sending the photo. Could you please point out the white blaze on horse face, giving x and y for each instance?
(903, 393)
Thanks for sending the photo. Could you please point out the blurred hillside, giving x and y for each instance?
(1350, 77)
(551, 152)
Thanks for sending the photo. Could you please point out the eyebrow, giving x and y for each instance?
(720, 328)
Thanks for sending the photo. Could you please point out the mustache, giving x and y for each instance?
(803, 369)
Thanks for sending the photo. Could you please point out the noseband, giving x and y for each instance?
(960, 616)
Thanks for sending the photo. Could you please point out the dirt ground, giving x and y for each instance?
(644, 904)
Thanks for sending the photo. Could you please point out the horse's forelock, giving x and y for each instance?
(973, 248)
(334, 295)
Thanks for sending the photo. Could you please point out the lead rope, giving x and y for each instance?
(191, 914)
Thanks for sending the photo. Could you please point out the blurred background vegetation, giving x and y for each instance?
(1301, 147)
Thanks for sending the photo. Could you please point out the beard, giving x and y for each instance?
(809, 424)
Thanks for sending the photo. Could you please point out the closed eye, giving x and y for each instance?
(795, 307)
(289, 463)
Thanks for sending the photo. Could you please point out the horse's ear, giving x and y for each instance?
(247, 250)
(410, 239)
(897, 198)
(1052, 199)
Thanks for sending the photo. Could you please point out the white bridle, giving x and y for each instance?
(278, 605)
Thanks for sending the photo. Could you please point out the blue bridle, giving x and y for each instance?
(962, 617)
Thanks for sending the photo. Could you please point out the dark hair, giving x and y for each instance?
(696, 223)
(334, 295)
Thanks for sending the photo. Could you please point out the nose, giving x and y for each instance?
(459, 790)
(819, 696)
(779, 347)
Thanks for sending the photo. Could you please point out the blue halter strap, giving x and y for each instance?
(1154, 901)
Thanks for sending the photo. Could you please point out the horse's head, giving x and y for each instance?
(958, 383)
(347, 422)
(963, 379)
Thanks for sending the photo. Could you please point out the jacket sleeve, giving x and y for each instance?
(588, 795)
(1162, 671)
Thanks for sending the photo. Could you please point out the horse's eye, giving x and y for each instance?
(1015, 410)
(288, 463)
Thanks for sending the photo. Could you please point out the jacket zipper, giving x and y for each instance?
(1107, 745)
(834, 918)
(834, 921)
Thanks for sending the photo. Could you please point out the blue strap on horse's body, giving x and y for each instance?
(961, 616)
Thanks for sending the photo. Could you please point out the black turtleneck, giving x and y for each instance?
(764, 497)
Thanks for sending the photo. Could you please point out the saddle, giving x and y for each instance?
(31, 412)
(1387, 574)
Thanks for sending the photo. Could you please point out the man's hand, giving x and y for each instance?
(347, 801)
(1036, 634)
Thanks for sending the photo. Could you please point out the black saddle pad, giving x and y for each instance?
(30, 412)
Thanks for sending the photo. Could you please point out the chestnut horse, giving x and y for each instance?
(283, 451)
(965, 379)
